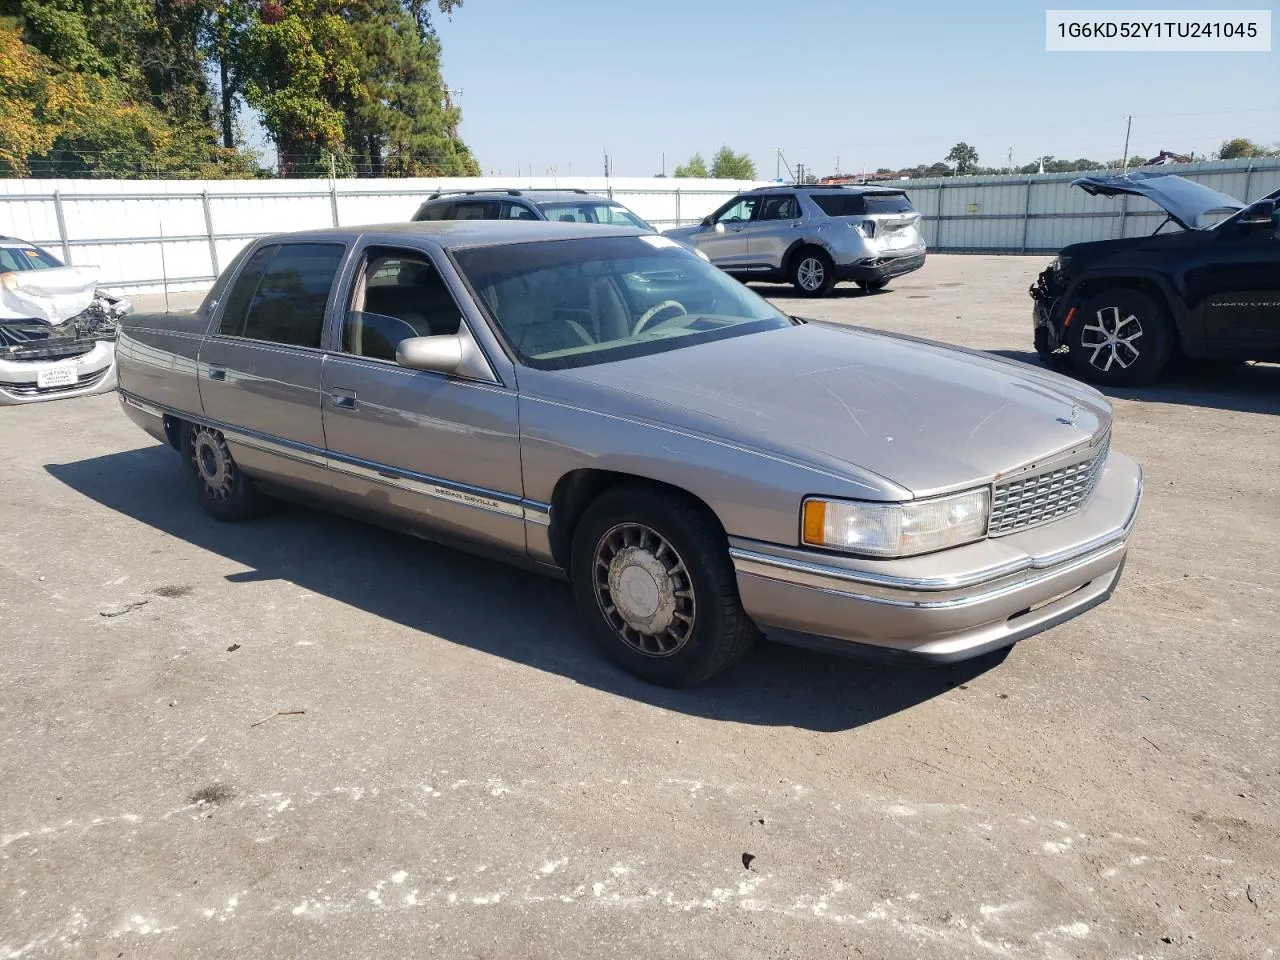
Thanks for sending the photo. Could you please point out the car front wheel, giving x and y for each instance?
(1120, 338)
(652, 576)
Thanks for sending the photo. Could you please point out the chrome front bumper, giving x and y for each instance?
(954, 604)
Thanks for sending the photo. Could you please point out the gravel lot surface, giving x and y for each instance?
(470, 779)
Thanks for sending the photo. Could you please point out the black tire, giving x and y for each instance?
(1120, 338)
(873, 286)
(222, 488)
(812, 272)
(702, 628)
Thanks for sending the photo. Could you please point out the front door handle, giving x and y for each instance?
(346, 399)
(217, 373)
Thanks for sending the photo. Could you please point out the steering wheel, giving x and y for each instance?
(656, 309)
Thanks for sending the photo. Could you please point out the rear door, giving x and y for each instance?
(259, 371)
(775, 227)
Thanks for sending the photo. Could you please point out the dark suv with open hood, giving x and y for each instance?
(1116, 311)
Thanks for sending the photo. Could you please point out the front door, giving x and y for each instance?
(1235, 290)
(724, 241)
(259, 372)
(436, 450)
(775, 228)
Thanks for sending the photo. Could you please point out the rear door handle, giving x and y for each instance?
(346, 399)
(217, 373)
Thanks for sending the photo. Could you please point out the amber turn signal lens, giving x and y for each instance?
(815, 522)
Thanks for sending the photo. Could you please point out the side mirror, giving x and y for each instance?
(440, 354)
(1260, 214)
(454, 354)
(719, 228)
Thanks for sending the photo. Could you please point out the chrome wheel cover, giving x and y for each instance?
(1110, 339)
(644, 590)
(213, 463)
(810, 274)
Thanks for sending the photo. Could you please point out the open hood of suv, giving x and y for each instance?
(1184, 200)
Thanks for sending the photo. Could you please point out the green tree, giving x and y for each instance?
(964, 157)
(696, 167)
(727, 165)
(1238, 147)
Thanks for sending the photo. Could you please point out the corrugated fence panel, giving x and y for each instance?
(145, 234)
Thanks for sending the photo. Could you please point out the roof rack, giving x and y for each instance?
(444, 193)
(505, 190)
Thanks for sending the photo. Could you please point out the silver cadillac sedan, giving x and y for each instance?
(604, 405)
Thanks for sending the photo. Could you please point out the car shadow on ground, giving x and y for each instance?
(490, 606)
(1246, 387)
(841, 291)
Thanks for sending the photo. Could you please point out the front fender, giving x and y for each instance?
(1080, 287)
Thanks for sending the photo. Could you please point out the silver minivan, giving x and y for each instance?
(812, 236)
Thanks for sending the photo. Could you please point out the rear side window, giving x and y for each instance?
(861, 204)
(246, 286)
(517, 211)
(288, 306)
(436, 211)
(475, 210)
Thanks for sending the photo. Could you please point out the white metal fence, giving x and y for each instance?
(145, 235)
(1042, 213)
(149, 235)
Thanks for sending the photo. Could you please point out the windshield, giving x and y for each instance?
(25, 258)
(573, 303)
(592, 211)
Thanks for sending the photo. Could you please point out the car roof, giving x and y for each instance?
(537, 196)
(464, 234)
(826, 188)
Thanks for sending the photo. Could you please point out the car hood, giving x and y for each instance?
(681, 233)
(924, 416)
(1184, 200)
(53, 295)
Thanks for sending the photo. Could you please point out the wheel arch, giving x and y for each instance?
(1154, 285)
(798, 246)
(578, 489)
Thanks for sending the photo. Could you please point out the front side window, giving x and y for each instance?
(573, 303)
(517, 211)
(402, 296)
(592, 211)
(289, 303)
(739, 212)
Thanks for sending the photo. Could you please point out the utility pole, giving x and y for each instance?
(606, 163)
(664, 163)
(1010, 167)
(1127, 127)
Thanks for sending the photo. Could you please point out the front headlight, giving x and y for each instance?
(896, 529)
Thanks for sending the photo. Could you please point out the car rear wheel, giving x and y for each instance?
(812, 272)
(873, 286)
(221, 486)
(1120, 338)
(651, 575)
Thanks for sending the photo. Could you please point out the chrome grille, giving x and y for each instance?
(1041, 497)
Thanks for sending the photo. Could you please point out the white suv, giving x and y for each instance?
(812, 236)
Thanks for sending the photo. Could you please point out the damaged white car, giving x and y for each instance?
(57, 328)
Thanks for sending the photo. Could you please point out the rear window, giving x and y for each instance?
(861, 204)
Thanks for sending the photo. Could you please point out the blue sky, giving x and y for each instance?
(550, 84)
